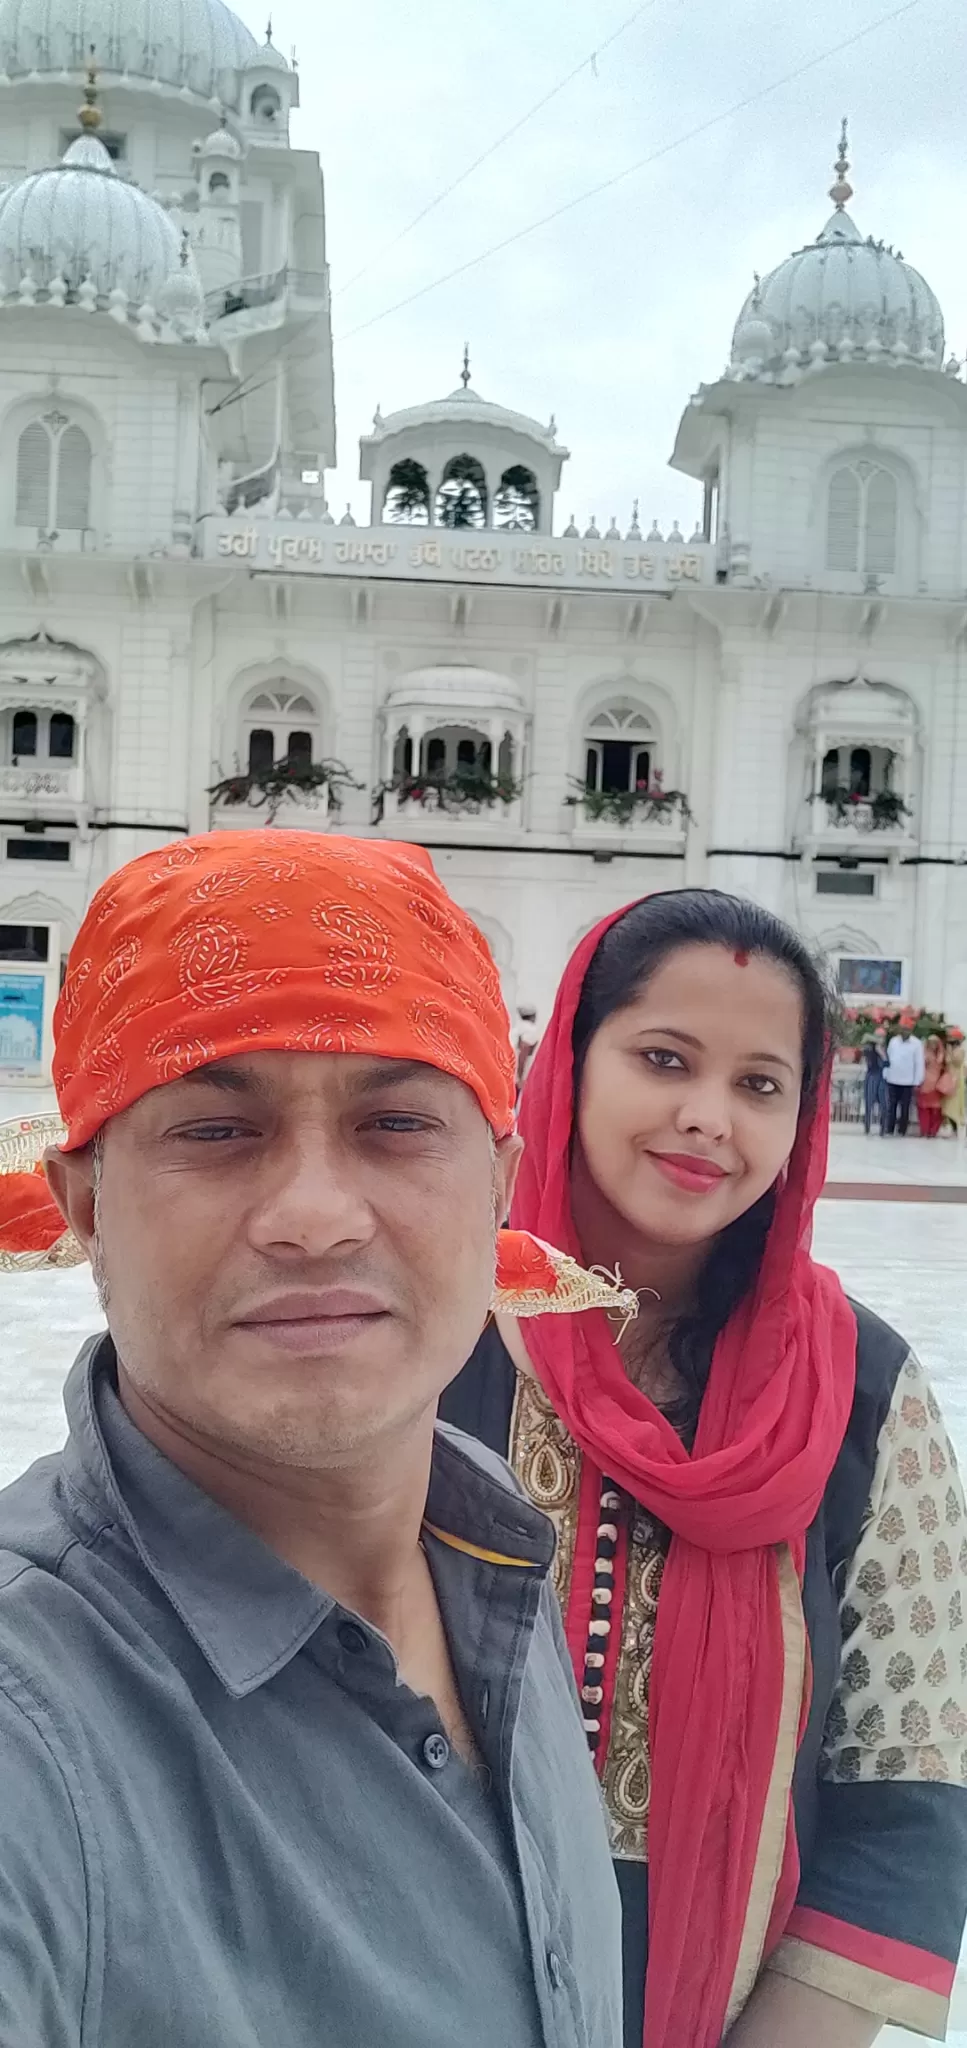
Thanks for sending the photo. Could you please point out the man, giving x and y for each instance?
(289, 1745)
(902, 1074)
(528, 1040)
(874, 1100)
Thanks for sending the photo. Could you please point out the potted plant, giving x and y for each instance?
(648, 803)
(888, 808)
(467, 788)
(269, 787)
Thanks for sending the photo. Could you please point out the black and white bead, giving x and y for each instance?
(602, 1600)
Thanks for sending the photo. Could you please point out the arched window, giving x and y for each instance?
(859, 771)
(462, 497)
(38, 737)
(455, 750)
(24, 735)
(60, 744)
(517, 502)
(34, 463)
(861, 528)
(219, 182)
(407, 500)
(53, 489)
(280, 724)
(403, 753)
(620, 749)
(265, 104)
(261, 750)
(73, 487)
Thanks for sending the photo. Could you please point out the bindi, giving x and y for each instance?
(741, 959)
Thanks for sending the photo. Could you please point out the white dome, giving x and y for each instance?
(197, 44)
(220, 143)
(455, 687)
(181, 300)
(842, 297)
(80, 221)
(268, 58)
(462, 408)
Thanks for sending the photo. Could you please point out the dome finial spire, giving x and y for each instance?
(842, 191)
(89, 115)
(465, 372)
(268, 30)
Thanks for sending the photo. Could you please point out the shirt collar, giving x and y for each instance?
(247, 1610)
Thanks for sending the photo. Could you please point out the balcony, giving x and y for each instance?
(309, 794)
(253, 294)
(646, 816)
(428, 806)
(40, 786)
(846, 822)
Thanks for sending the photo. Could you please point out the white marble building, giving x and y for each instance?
(773, 703)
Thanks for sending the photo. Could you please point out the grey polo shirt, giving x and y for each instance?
(225, 1823)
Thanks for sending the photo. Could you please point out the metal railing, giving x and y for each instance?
(251, 292)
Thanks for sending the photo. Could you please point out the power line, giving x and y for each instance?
(515, 128)
(246, 386)
(654, 156)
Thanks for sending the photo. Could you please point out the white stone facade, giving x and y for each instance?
(774, 704)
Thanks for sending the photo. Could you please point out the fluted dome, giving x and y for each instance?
(221, 143)
(80, 224)
(463, 408)
(199, 45)
(268, 58)
(842, 298)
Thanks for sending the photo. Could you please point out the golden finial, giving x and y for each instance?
(842, 191)
(89, 115)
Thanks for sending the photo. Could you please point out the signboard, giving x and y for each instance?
(408, 554)
(872, 977)
(22, 1021)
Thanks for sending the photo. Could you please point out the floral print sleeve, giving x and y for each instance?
(901, 1707)
(881, 1908)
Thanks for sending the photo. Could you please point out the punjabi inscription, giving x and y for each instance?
(590, 565)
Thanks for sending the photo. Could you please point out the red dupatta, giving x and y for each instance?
(729, 1677)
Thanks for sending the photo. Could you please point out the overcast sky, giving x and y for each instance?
(610, 316)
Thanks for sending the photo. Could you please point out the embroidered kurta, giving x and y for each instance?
(880, 1804)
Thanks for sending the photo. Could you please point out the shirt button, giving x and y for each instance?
(554, 1970)
(436, 1752)
(352, 1639)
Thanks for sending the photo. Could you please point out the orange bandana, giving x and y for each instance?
(273, 941)
(277, 942)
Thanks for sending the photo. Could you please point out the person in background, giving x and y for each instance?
(290, 1747)
(931, 1092)
(954, 1105)
(874, 1094)
(761, 1530)
(902, 1074)
(528, 1039)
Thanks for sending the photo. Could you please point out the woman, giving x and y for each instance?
(760, 1525)
(953, 1108)
(874, 1090)
(931, 1093)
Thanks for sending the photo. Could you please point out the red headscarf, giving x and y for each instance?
(240, 942)
(773, 1419)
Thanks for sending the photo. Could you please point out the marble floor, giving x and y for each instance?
(907, 1260)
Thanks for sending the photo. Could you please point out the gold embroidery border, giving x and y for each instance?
(772, 1835)
(539, 1448)
(906, 2005)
